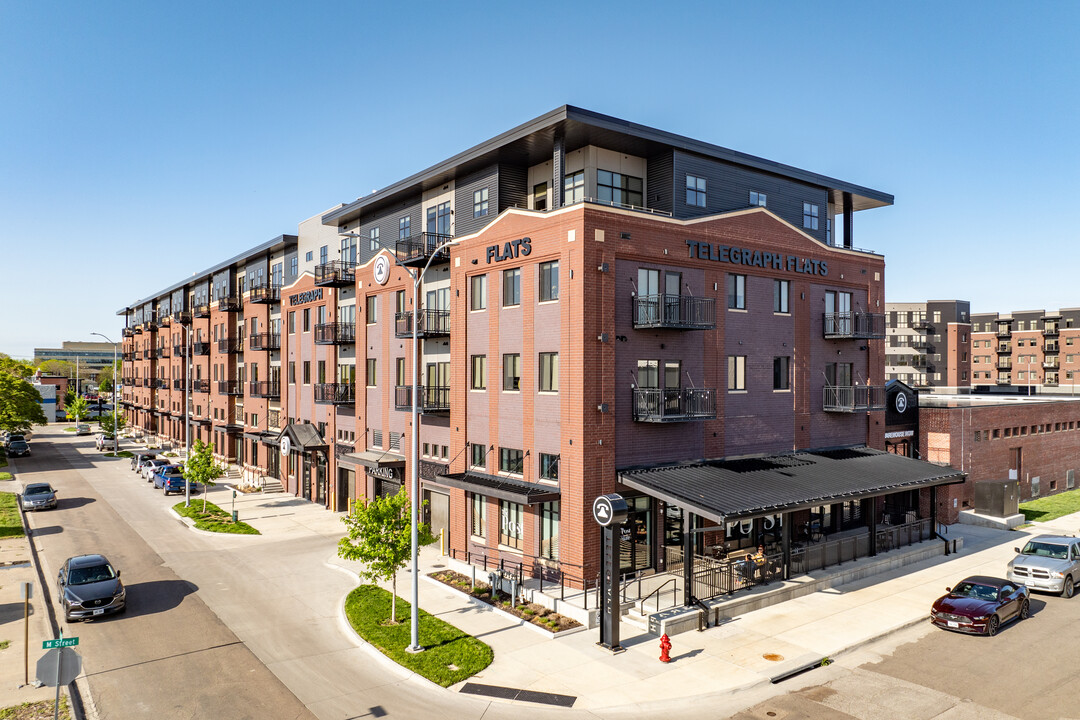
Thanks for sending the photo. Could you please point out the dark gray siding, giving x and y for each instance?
(464, 222)
(288, 276)
(179, 300)
(729, 189)
(252, 268)
(163, 307)
(202, 292)
(660, 182)
(387, 222)
(514, 187)
(222, 284)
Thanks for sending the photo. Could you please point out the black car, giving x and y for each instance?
(18, 448)
(38, 496)
(88, 586)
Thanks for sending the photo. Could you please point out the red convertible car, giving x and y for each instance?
(980, 604)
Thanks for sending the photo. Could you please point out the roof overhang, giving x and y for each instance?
(503, 488)
(304, 437)
(372, 459)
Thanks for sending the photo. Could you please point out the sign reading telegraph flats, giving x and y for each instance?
(756, 258)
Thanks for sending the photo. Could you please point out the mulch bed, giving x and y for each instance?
(535, 614)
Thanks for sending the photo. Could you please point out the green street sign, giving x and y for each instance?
(60, 642)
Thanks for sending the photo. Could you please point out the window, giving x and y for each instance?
(618, 188)
(438, 219)
(478, 292)
(780, 371)
(309, 256)
(348, 249)
(479, 515)
(511, 287)
(510, 525)
(549, 281)
(404, 228)
(320, 371)
(399, 301)
(695, 191)
(736, 292)
(540, 196)
(757, 198)
(478, 457)
(294, 266)
(292, 322)
(810, 216)
(574, 187)
(479, 372)
(781, 290)
(324, 254)
(648, 374)
(480, 203)
(549, 466)
(510, 460)
(307, 372)
(292, 372)
(399, 372)
(549, 530)
(307, 319)
(373, 239)
(512, 371)
(549, 372)
(321, 315)
(371, 375)
(372, 309)
(736, 372)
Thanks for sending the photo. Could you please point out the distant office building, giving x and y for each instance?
(1026, 352)
(90, 355)
(929, 343)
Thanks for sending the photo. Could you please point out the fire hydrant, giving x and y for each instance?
(665, 648)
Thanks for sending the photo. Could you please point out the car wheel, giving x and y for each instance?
(1025, 610)
(992, 625)
(1068, 588)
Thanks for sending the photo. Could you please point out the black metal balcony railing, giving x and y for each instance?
(432, 398)
(335, 393)
(1004, 348)
(164, 321)
(159, 384)
(418, 248)
(202, 311)
(1004, 364)
(1051, 379)
(146, 353)
(681, 312)
(200, 347)
(920, 345)
(335, 333)
(1004, 380)
(1004, 331)
(230, 387)
(229, 303)
(162, 352)
(137, 329)
(854, 325)
(129, 355)
(264, 389)
(1050, 331)
(182, 316)
(663, 405)
(430, 323)
(918, 361)
(180, 350)
(230, 345)
(1050, 346)
(201, 385)
(336, 273)
(128, 332)
(266, 293)
(265, 341)
(922, 325)
(853, 398)
(1051, 363)
(177, 384)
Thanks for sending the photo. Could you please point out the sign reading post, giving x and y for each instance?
(610, 512)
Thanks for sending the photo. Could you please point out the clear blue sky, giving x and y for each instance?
(143, 141)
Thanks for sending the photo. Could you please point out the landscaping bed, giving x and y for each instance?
(10, 520)
(533, 613)
(40, 710)
(214, 519)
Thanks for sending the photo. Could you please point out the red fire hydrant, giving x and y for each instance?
(665, 648)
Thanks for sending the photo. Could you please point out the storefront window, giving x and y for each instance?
(511, 525)
(549, 530)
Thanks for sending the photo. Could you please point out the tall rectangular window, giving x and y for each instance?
(549, 281)
(648, 374)
(573, 187)
(540, 191)
(348, 250)
(307, 372)
(695, 191)
(324, 254)
(757, 198)
(618, 188)
(479, 372)
(372, 309)
(292, 372)
(371, 376)
(478, 455)
(320, 372)
(810, 216)
(781, 290)
(479, 516)
(780, 372)
(292, 322)
(404, 228)
(549, 466)
(320, 315)
(478, 292)
(510, 460)
(511, 527)
(512, 371)
(480, 203)
(373, 239)
(736, 292)
(307, 319)
(549, 372)
(511, 287)
(549, 530)
(736, 372)
(294, 266)
(438, 219)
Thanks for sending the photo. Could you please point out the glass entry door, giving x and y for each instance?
(635, 536)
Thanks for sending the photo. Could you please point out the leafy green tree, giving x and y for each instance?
(201, 467)
(69, 397)
(20, 404)
(21, 369)
(106, 422)
(62, 368)
(378, 535)
(105, 380)
(78, 408)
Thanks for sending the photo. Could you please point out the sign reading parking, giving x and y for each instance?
(60, 642)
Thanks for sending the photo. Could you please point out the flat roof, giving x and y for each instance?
(987, 400)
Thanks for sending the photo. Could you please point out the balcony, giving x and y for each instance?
(201, 385)
(230, 345)
(417, 249)
(128, 355)
(230, 387)
(1004, 331)
(182, 316)
(853, 398)
(1051, 379)
(335, 393)
(1050, 346)
(265, 293)
(265, 341)
(229, 303)
(159, 384)
(849, 325)
(202, 311)
(164, 321)
(336, 273)
(1050, 330)
(1004, 348)
(922, 325)
(177, 384)
(918, 361)
(664, 405)
(921, 346)
(128, 332)
(1004, 364)
(1004, 379)
(180, 350)
(162, 352)
(679, 312)
(1051, 363)
(200, 348)
(431, 323)
(146, 354)
(335, 333)
(434, 399)
(137, 329)
(264, 389)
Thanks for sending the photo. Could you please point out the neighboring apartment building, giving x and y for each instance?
(929, 344)
(1027, 352)
(608, 307)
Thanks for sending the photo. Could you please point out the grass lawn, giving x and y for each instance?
(122, 453)
(10, 521)
(5, 476)
(71, 429)
(214, 519)
(1051, 507)
(40, 710)
(450, 655)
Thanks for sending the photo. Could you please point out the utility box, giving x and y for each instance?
(999, 498)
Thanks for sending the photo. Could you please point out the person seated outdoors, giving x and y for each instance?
(760, 564)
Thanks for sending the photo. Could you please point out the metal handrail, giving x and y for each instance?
(674, 594)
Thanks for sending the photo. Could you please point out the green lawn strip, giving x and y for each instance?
(40, 710)
(446, 647)
(69, 429)
(122, 453)
(6, 476)
(1051, 507)
(214, 519)
(10, 521)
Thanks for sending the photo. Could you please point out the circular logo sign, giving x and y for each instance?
(382, 269)
(286, 446)
(901, 402)
(609, 510)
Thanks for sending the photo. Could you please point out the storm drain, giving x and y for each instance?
(505, 693)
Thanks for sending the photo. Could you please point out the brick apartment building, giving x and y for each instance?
(929, 344)
(607, 307)
(1026, 352)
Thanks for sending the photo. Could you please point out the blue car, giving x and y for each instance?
(171, 480)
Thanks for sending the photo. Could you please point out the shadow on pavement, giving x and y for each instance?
(286, 503)
(75, 502)
(156, 596)
(47, 530)
(10, 612)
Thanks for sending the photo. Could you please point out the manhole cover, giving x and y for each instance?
(773, 657)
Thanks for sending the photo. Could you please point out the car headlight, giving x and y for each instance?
(984, 618)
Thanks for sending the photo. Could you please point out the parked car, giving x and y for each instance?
(171, 480)
(980, 604)
(38, 496)
(18, 448)
(88, 586)
(12, 437)
(141, 456)
(1050, 563)
(152, 466)
(105, 441)
(82, 429)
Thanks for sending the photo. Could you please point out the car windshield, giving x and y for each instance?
(92, 574)
(976, 591)
(38, 490)
(1045, 549)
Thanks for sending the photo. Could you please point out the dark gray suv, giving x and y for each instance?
(88, 586)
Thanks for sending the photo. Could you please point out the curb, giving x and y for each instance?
(191, 526)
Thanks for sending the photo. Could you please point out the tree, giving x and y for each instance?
(201, 467)
(22, 369)
(69, 397)
(78, 408)
(378, 535)
(106, 422)
(20, 404)
(105, 380)
(63, 368)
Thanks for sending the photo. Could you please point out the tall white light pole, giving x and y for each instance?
(115, 430)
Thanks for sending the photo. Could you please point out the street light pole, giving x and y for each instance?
(115, 430)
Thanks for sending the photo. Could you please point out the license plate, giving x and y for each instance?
(953, 624)
(99, 611)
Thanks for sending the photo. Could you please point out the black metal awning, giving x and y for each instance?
(263, 437)
(304, 437)
(372, 459)
(499, 487)
(755, 487)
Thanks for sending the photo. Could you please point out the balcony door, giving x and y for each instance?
(438, 219)
(648, 291)
(672, 291)
(838, 312)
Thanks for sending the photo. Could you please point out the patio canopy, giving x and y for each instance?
(500, 487)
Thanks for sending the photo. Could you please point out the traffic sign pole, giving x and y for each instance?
(59, 659)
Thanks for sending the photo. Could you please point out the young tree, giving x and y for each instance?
(105, 380)
(378, 535)
(106, 422)
(69, 397)
(62, 368)
(20, 404)
(201, 467)
(78, 408)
